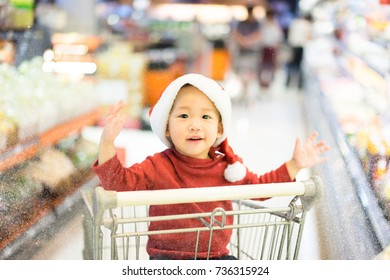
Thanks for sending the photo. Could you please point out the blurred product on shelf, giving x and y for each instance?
(8, 131)
(19, 197)
(120, 76)
(19, 14)
(82, 152)
(55, 163)
(7, 52)
(51, 15)
(28, 194)
(220, 60)
(163, 66)
(33, 101)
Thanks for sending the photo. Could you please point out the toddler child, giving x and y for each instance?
(192, 117)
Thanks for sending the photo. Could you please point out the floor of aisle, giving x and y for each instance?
(263, 134)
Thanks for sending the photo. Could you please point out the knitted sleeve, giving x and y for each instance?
(279, 175)
(114, 176)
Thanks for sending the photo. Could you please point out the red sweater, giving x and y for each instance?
(171, 170)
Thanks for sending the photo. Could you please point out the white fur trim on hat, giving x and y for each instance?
(235, 172)
(160, 112)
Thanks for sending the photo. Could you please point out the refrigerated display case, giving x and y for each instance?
(352, 223)
(347, 101)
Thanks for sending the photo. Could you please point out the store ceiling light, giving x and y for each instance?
(141, 4)
(70, 49)
(67, 67)
(205, 13)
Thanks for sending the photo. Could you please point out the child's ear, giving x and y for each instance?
(220, 129)
(167, 134)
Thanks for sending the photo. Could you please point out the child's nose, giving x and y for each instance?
(194, 125)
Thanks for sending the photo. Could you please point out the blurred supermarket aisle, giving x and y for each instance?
(263, 134)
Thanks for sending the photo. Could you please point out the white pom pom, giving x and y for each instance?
(235, 172)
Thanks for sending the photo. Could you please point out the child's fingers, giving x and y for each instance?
(121, 105)
(322, 146)
(297, 142)
(312, 137)
(323, 159)
(116, 108)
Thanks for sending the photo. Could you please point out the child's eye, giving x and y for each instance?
(183, 116)
(206, 117)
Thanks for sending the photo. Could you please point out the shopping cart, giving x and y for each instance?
(116, 224)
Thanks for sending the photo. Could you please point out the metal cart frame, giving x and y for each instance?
(116, 223)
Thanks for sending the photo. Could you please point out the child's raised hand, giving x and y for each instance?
(307, 155)
(114, 122)
(113, 125)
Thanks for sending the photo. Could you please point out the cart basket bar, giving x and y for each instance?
(310, 189)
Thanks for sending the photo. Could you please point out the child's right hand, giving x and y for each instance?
(113, 125)
(114, 122)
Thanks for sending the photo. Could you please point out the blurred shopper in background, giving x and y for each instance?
(247, 35)
(271, 41)
(34, 41)
(299, 33)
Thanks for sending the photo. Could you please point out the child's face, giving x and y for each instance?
(194, 123)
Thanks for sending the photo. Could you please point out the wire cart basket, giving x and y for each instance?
(116, 224)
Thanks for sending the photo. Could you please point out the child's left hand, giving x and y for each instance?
(307, 155)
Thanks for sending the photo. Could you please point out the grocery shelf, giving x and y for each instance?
(70, 127)
(344, 49)
(18, 153)
(352, 223)
(28, 148)
(24, 239)
(51, 206)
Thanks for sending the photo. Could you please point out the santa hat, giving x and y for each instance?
(159, 115)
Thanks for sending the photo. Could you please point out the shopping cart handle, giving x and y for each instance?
(310, 189)
(314, 189)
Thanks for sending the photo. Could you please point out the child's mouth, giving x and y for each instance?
(194, 139)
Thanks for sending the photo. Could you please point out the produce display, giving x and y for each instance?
(43, 158)
(359, 97)
(19, 198)
(33, 101)
(31, 188)
(55, 163)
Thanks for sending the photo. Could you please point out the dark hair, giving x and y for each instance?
(249, 9)
(269, 13)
